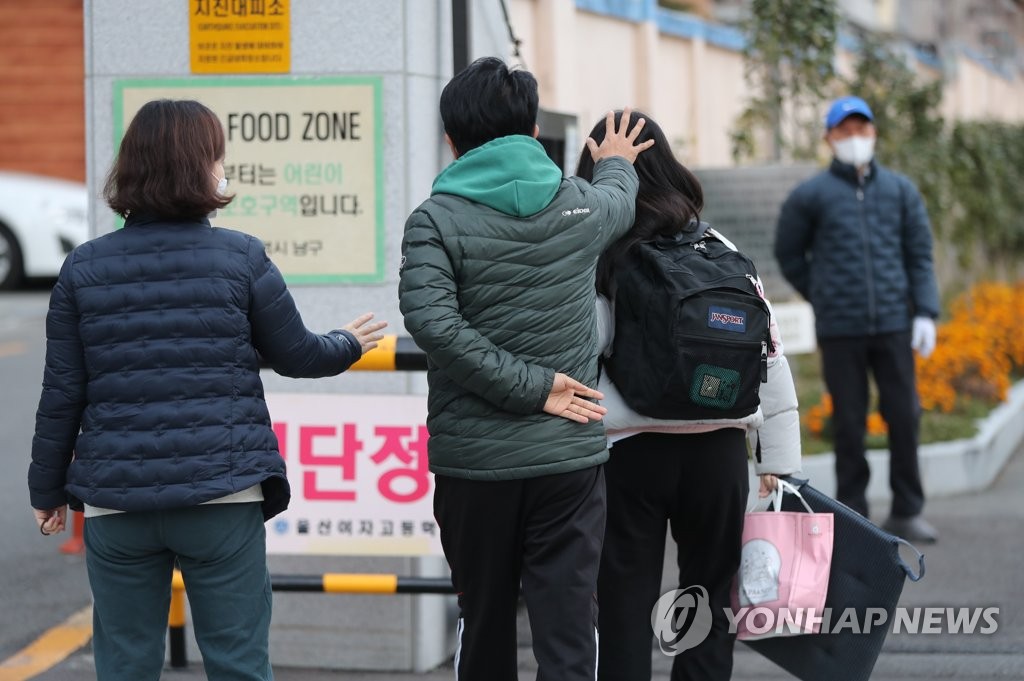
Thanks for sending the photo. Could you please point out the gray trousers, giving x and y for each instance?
(221, 550)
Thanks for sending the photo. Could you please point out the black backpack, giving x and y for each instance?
(691, 331)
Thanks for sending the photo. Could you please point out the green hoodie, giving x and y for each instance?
(510, 174)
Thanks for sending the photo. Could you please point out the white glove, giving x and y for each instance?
(922, 338)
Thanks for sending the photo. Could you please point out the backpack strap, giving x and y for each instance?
(699, 231)
(694, 232)
(720, 237)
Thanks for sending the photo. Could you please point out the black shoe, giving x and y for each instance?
(913, 529)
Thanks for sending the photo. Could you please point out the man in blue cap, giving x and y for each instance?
(855, 241)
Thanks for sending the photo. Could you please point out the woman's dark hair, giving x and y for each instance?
(163, 166)
(487, 100)
(669, 200)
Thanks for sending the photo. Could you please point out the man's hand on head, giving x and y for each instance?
(621, 142)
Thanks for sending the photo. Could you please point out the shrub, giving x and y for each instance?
(980, 350)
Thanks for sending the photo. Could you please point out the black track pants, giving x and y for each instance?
(544, 533)
(699, 484)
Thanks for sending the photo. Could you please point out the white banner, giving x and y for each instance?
(796, 324)
(357, 465)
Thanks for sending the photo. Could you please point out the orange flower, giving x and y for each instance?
(817, 417)
(977, 348)
(876, 424)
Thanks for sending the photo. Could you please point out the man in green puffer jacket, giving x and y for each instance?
(497, 287)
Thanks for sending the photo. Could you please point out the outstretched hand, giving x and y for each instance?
(621, 142)
(366, 333)
(568, 400)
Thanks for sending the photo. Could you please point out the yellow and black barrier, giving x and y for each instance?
(341, 583)
(393, 353)
(334, 583)
(176, 622)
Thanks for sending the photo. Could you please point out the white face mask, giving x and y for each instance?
(857, 151)
(222, 184)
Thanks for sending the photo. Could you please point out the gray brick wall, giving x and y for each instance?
(743, 204)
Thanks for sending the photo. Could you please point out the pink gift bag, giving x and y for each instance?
(784, 568)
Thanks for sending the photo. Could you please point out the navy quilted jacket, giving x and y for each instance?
(152, 396)
(859, 252)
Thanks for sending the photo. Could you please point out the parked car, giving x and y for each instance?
(41, 220)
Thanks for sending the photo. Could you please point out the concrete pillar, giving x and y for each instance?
(697, 85)
(557, 60)
(647, 71)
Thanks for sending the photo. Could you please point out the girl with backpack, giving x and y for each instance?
(687, 474)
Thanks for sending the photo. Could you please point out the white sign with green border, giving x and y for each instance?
(304, 162)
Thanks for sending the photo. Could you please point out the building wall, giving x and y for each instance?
(676, 109)
(586, 63)
(601, 69)
(42, 100)
(722, 97)
(593, 55)
(978, 92)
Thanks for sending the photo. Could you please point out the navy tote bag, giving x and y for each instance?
(867, 572)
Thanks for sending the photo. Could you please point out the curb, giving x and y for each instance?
(947, 468)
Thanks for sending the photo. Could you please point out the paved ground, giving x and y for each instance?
(977, 563)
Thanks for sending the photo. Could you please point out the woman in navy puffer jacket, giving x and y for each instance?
(152, 415)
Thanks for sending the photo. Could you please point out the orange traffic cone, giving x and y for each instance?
(75, 543)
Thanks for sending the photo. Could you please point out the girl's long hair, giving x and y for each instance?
(669, 200)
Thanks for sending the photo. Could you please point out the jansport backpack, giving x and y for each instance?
(691, 331)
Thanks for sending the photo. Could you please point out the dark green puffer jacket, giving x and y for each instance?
(497, 287)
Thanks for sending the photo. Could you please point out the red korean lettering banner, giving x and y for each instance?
(359, 475)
